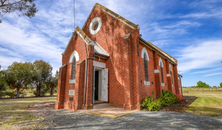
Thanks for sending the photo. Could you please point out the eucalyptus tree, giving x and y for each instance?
(52, 82)
(43, 73)
(18, 75)
(2, 80)
(18, 7)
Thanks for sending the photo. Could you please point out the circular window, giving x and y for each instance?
(95, 25)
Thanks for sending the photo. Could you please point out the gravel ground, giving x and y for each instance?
(67, 119)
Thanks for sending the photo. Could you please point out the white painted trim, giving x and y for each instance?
(72, 81)
(168, 75)
(160, 61)
(156, 71)
(102, 48)
(71, 92)
(146, 82)
(99, 64)
(98, 19)
(170, 67)
(144, 51)
(74, 54)
(162, 84)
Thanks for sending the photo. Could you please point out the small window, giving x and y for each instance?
(146, 67)
(95, 25)
(73, 68)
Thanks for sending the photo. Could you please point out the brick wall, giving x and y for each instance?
(126, 67)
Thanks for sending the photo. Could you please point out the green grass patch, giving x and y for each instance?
(206, 104)
(13, 112)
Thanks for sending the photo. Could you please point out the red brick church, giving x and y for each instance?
(108, 61)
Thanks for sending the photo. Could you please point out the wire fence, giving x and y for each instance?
(203, 90)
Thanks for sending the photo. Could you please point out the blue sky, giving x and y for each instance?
(189, 30)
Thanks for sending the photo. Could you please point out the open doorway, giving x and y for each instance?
(96, 97)
(100, 85)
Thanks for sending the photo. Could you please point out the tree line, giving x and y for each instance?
(21, 75)
(201, 84)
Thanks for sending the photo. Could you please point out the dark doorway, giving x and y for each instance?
(96, 85)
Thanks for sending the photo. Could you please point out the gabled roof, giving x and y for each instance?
(100, 50)
(159, 51)
(97, 48)
(115, 15)
(80, 32)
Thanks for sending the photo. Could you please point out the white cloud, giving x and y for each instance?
(206, 54)
(207, 71)
(207, 75)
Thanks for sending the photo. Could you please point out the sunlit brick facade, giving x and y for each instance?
(109, 65)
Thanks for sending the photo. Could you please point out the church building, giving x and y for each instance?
(107, 61)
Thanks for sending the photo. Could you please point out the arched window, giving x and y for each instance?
(161, 69)
(171, 73)
(74, 57)
(73, 68)
(145, 57)
(146, 67)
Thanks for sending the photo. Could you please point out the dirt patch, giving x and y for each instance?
(42, 106)
(181, 106)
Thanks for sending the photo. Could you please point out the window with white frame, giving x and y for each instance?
(73, 59)
(146, 68)
(161, 70)
(73, 68)
(171, 73)
(145, 57)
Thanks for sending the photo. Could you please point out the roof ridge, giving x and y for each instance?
(82, 34)
(160, 49)
(115, 15)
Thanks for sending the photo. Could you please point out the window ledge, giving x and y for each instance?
(72, 81)
(162, 84)
(146, 82)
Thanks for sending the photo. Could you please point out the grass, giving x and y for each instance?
(13, 112)
(209, 104)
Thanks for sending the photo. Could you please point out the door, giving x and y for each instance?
(104, 85)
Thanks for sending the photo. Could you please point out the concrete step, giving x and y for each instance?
(101, 105)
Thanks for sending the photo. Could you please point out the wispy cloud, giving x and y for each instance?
(207, 71)
(207, 75)
(206, 54)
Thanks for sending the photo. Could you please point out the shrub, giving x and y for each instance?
(168, 98)
(165, 100)
(151, 104)
(11, 93)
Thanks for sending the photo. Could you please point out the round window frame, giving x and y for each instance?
(91, 26)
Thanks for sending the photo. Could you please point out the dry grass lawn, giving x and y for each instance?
(209, 104)
(14, 113)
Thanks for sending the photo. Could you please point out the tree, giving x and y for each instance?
(18, 7)
(2, 80)
(221, 84)
(43, 73)
(52, 82)
(201, 84)
(18, 75)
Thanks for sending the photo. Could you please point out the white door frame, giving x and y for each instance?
(97, 66)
